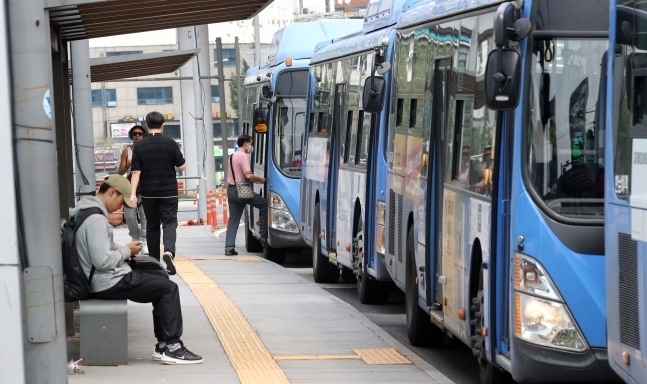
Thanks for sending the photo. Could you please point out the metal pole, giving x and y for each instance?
(257, 41)
(200, 134)
(36, 197)
(12, 365)
(223, 108)
(82, 126)
(239, 112)
(205, 70)
(187, 104)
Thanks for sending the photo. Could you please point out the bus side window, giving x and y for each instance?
(363, 134)
(311, 122)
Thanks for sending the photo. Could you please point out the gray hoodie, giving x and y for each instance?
(95, 247)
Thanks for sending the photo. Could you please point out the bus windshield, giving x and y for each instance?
(290, 123)
(564, 143)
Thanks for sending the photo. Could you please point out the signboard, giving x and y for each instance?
(120, 129)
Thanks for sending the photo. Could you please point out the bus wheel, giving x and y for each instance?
(322, 270)
(370, 291)
(420, 330)
(252, 244)
(488, 373)
(273, 254)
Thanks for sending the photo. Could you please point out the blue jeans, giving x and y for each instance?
(130, 216)
(236, 209)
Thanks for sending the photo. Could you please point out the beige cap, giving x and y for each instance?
(122, 185)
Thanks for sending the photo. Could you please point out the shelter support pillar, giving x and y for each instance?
(34, 138)
(83, 128)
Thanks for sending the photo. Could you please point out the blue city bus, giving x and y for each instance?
(625, 195)
(348, 194)
(494, 223)
(274, 115)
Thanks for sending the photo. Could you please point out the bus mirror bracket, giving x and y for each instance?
(503, 70)
(260, 120)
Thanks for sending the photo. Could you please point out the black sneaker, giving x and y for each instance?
(181, 356)
(158, 352)
(170, 265)
(231, 253)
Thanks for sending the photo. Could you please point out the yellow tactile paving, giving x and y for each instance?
(382, 356)
(318, 357)
(246, 258)
(249, 357)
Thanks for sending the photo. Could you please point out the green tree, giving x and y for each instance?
(233, 86)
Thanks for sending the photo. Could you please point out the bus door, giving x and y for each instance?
(338, 135)
(435, 178)
(259, 160)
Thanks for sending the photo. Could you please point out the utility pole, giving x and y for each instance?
(223, 108)
(257, 42)
(239, 84)
(200, 134)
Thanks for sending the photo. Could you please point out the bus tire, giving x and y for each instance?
(369, 290)
(420, 330)
(252, 244)
(273, 254)
(488, 373)
(322, 270)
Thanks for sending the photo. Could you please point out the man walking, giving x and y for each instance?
(155, 158)
(136, 133)
(113, 279)
(239, 170)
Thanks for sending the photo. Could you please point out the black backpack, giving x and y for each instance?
(75, 285)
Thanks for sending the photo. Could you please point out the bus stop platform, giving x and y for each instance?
(257, 322)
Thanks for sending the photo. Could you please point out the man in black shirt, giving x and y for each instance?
(155, 158)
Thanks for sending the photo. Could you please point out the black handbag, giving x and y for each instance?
(147, 263)
(243, 187)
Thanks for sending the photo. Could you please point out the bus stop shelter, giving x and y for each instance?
(38, 36)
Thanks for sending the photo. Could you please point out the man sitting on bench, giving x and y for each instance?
(113, 279)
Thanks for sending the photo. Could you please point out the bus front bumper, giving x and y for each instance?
(534, 364)
(280, 239)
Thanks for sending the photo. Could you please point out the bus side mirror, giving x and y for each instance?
(260, 120)
(373, 95)
(502, 80)
(502, 73)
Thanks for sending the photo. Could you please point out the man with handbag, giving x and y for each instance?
(111, 277)
(240, 192)
(136, 133)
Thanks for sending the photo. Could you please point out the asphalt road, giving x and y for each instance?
(454, 359)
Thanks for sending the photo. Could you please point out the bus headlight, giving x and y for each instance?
(381, 207)
(279, 216)
(547, 323)
(540, 316)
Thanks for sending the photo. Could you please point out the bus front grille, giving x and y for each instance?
(628, 294)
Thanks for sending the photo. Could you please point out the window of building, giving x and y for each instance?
(215, 94)
(228, 57)
(232, 129)
(154, 95)
(110, 100)
(123, 53)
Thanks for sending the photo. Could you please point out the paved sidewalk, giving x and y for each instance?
(271, 326)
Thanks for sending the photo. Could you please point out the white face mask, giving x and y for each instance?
(250, 150)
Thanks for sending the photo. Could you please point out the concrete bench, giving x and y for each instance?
(104, 332)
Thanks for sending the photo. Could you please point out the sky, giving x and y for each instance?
(275, 16)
